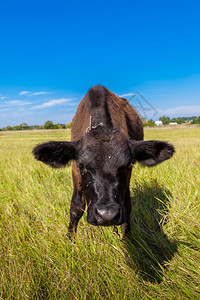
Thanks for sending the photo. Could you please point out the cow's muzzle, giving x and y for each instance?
(106, 215)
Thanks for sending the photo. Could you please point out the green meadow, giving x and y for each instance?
(161, 260)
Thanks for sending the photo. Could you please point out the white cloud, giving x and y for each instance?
(28, 93)
(128, 94)
(53, 102)
(17, 103)
(24, 93)
(39, 93)
(2, 98)
(181, 111)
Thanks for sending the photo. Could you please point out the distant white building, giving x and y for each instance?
(173, 123)
(158, 123)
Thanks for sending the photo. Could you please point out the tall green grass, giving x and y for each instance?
(160, 261)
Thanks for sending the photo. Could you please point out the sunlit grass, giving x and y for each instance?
(160, 261)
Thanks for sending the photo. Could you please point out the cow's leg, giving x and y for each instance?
(77, 208)
(128, 207)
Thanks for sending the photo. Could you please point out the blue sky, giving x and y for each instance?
(52, 52)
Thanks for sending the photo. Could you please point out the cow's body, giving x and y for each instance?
(107, 135)
(123, 115)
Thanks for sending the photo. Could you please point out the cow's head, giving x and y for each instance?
(104, 160)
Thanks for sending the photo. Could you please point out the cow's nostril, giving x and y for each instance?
(117, 217)
(108, 216)
(100, 212)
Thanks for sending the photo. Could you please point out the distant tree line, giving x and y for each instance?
(47, 125)
(191, 120)
(150, 122)
(166, 120)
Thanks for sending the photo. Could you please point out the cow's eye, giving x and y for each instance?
(90, 170)
(81, 166)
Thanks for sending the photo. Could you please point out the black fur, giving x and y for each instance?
(151, 153)
(56, 154)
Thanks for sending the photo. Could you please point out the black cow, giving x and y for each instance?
(107, 139)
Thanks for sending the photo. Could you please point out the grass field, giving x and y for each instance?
(162, 259)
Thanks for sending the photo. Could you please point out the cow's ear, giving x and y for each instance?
(151, 153)
(56, 154)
